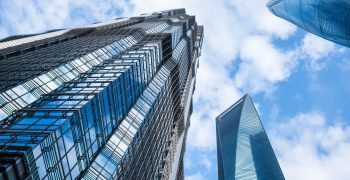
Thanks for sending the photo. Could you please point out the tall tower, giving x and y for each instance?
(243, 148)
(326, 18)
(107, 101)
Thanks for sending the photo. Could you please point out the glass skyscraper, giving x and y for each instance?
(111, 100)
(326, 18)
(243, 148)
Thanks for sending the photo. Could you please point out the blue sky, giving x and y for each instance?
(299, 82)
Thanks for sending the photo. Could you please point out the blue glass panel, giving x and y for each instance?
(326, 18)
(244, 151)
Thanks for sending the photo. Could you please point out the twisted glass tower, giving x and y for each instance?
(243, 148)
(326, 18)
(107, 101)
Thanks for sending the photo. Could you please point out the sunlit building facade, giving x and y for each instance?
(327, 19)
(111, 100)
(243, 148)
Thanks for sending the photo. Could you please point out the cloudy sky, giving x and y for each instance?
(299, 82)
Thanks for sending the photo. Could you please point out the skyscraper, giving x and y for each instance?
(110, 100)
(243, 148)
(327, 19)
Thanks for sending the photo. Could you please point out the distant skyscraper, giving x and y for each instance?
(243, 148)
(326, 18)
(107, 101)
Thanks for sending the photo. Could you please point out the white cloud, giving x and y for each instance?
(344, 64)
(256, 18)
(196, 176)
(262, 65)
(316, 50)
(309, 147)
(214, 93)
(206, 163)
(316, 47)
(202, 132)
(26, 17)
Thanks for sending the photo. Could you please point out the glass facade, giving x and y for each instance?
(107, 101)
(326, 18)
(243, 148)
